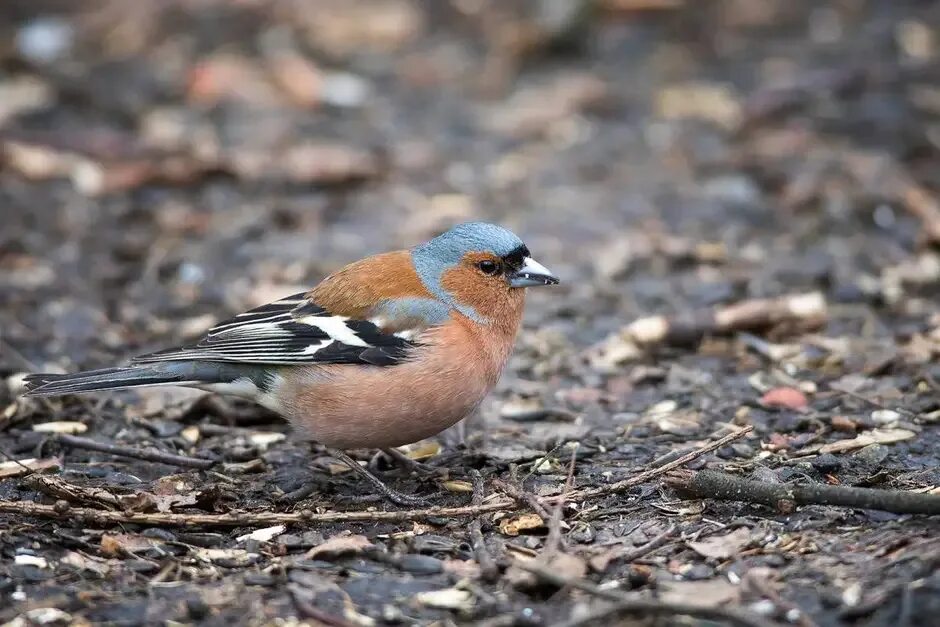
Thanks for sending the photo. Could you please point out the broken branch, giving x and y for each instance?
(719, 485)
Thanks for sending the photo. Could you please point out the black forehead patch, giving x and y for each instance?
(516, 258)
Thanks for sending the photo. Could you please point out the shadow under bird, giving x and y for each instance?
(386, 351)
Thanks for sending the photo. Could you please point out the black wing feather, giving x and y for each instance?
(291, 331)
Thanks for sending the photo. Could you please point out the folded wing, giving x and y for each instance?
(291, 331)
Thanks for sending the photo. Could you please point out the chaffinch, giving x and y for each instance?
(387, 351)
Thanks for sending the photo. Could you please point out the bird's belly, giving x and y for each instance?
(347, 407)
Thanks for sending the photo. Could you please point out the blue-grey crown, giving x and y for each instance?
(451, 246)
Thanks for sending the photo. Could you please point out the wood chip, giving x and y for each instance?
(875, 436)
(61, 426)
(514, 525)
(341, 544)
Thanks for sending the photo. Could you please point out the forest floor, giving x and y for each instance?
(741, 199)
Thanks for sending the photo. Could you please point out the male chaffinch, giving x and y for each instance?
(387, 351)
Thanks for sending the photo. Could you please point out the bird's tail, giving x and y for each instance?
(106, 379)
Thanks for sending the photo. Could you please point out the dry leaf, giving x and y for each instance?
(711, 593)
(875, 436)
(712, 102)
(512, 526)
(231, 557)
(788, 398)
(341, 544)
(446, 599)
(191, 434)
(425, 449)
(84, 562)
(120, 544)
(166, 502)
(457, 486)
(31, 560)
(263, 535)
(461, 569)
(264, 439)
(570, 567)
(25, 466)
(723, 547)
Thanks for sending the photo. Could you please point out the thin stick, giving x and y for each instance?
(554, 542)
(661, 608)
(261, 519)
(525, 499)
(647, 475)
(308, 517)
(645, 549)
(150, 455)
(719, 485)
(489, 570)
(59, 489)
(309, 610)
(631, 604)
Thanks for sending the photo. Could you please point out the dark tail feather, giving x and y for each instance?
(94, 380)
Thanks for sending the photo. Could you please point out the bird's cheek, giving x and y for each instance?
(467, 288)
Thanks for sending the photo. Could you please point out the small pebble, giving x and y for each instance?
(258, 579)
(159, 534)
(417, 564)
(826, 463)
(872, 454)
(44, 39)
(885, 416)
(197, 608)
(583, 534)
(699, 572)
(141, 566)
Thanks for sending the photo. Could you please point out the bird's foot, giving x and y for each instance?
(411, 465)
(396, 497)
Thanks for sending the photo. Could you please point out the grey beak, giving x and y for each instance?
(532, 274)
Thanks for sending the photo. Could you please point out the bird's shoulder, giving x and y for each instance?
(384, 289)
(371, 312)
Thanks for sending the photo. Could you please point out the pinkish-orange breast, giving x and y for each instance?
(351, 406)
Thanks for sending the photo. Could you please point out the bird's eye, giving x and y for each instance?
(488, 267)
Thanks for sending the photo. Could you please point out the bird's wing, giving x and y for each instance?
(292, 331)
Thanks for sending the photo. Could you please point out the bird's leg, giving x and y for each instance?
(412, 465)
(392, 495)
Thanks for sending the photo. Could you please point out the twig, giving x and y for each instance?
(647, 475)
(489, 570)
(309, 610)
(718, 485)
(150, 455)
(920, 203)
(630, 604)
(555, 542)
(57, 488)
(644, 550)
(525, 499)
(307, 517)
(605, 615)
(19, 467)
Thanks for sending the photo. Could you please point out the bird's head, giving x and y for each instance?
(474, 266)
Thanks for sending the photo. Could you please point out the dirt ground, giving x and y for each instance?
(741, 199)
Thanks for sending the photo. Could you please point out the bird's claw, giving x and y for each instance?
(403, 461)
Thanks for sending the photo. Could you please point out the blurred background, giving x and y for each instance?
(165, 163)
